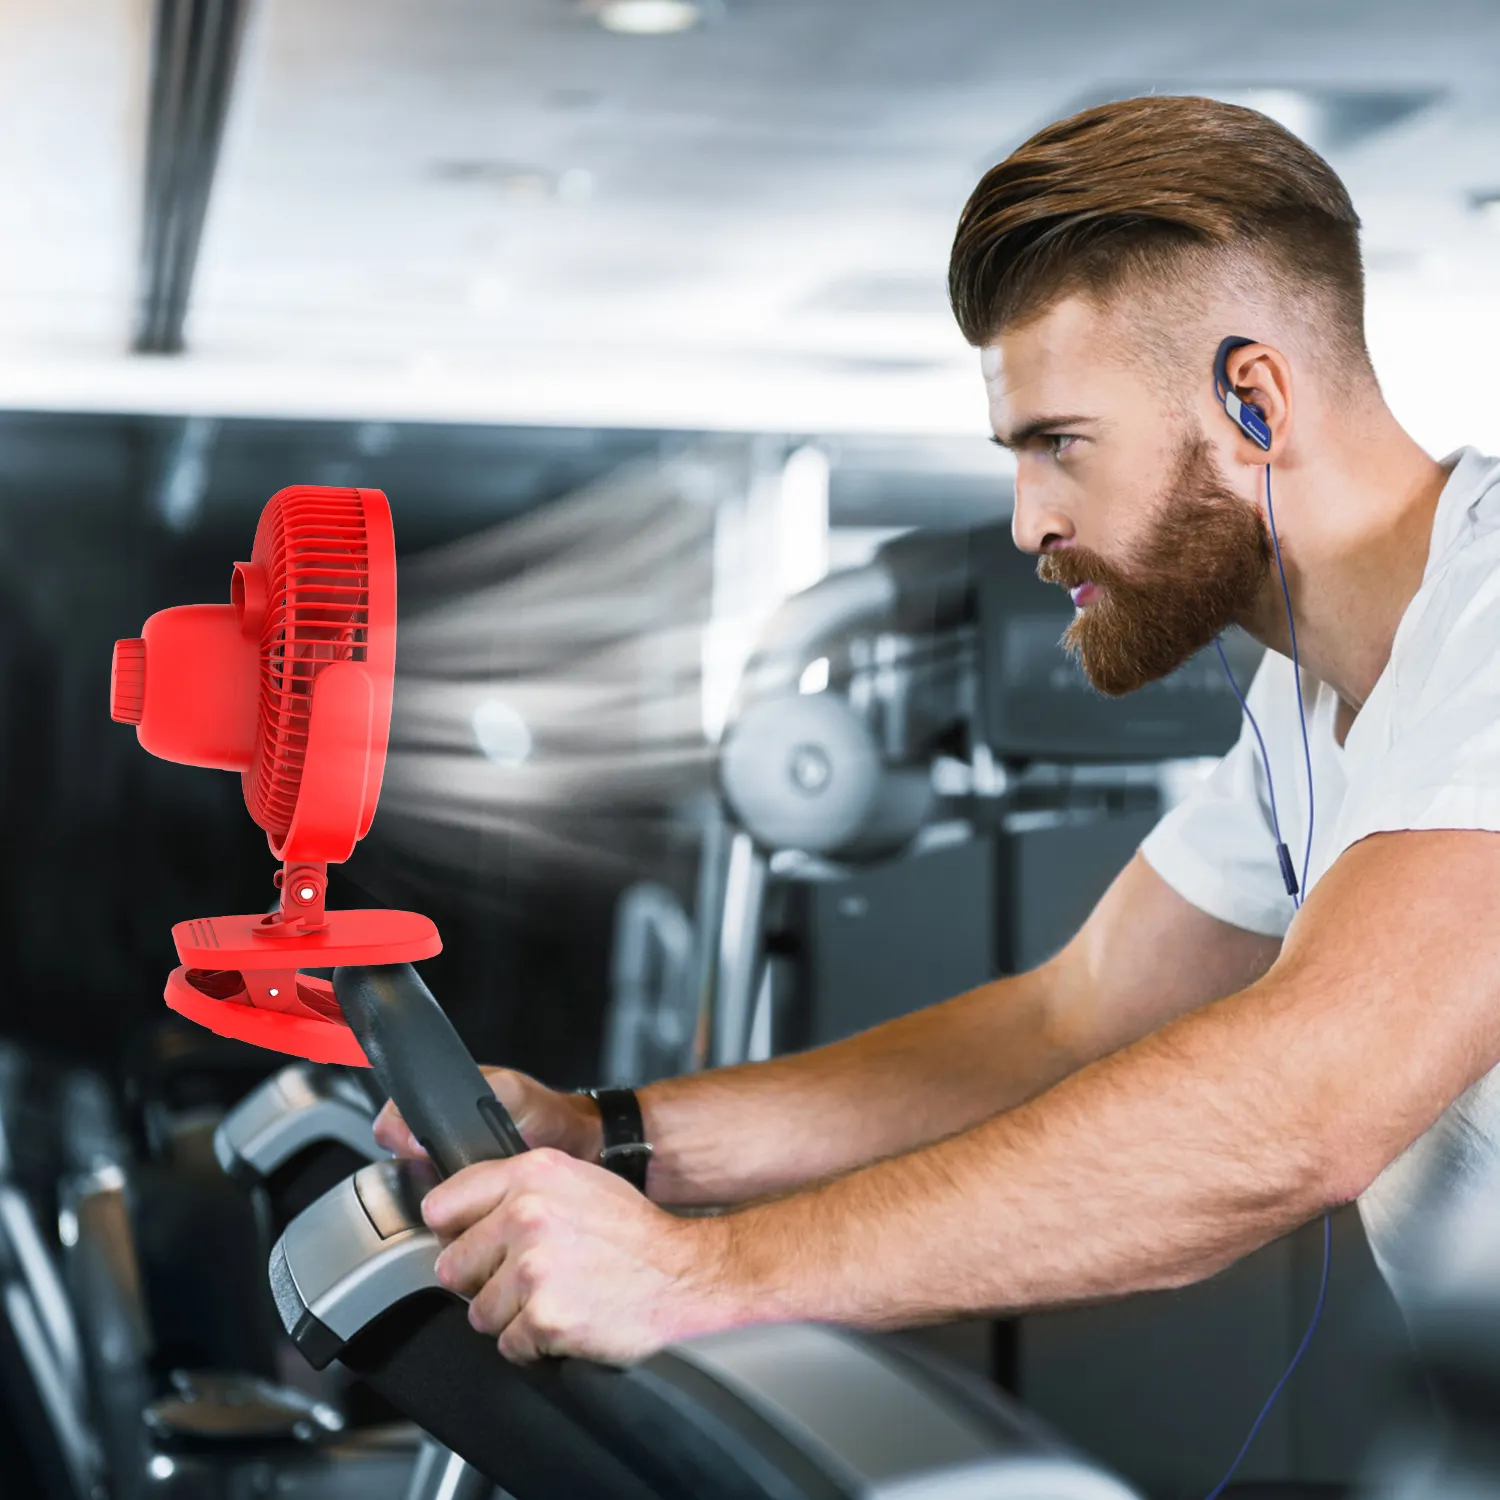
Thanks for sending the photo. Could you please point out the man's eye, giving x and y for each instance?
(1059, 442)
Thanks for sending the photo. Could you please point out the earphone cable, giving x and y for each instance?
(1296, 893)
(1283, 856)
(1291, 625)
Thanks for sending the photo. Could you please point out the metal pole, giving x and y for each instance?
(741, 951)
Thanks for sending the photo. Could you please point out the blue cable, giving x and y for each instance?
(1312, 1327)
(1259, 739)
(1291, 625)
(1296, 892)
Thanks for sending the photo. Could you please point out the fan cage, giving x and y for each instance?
(315, 552)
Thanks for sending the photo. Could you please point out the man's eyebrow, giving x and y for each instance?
(1034, 428)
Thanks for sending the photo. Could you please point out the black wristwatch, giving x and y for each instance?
(626, 1151)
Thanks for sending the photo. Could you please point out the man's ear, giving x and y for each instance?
(1261, 376)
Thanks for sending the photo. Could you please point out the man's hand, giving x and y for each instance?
(565, 1122)
(559, 1257)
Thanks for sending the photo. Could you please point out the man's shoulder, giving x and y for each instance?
(1467, 523)
(1455, 616)
(1455, 613)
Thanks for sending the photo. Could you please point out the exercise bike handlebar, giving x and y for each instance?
(354, 1280)
(422, 1064)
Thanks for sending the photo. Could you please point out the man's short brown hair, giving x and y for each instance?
(1160, 193)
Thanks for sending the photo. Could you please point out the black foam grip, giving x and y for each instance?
(424, 1066)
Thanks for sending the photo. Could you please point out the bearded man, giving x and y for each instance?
(1206, 1065)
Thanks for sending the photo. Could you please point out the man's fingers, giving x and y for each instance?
(505, 1085)
(392, 1132)
(518, 1344)
(466, 1197)
(454, 1206)
(474, 1257)
(511, 1089)
(499, 1301)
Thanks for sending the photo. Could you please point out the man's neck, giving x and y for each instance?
(1355, 524)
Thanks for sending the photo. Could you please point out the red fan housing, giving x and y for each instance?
(290, 685)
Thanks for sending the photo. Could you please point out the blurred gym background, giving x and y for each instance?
(635, 309)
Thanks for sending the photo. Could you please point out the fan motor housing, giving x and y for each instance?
(189, 687)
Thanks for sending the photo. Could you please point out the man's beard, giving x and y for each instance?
(1200, 570)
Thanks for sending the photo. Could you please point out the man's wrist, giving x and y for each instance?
(587, 1136)
(602, 1135)
(626, 1152)
(726, 1294)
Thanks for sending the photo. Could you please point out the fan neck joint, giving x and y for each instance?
(304, 890)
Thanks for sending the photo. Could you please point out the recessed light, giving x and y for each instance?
(647, 17)
(516, 179)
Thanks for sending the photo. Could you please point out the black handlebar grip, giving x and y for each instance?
(423, 1065)
(366, 1082)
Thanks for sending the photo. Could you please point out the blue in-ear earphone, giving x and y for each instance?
(1252, 422)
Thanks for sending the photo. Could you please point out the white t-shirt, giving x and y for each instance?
(1423, 753)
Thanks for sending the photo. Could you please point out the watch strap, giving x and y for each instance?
(626, 1151)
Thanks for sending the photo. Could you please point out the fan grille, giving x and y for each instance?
(315, 552)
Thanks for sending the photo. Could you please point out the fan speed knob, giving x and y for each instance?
(127, 682)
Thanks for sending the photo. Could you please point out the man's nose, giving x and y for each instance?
(1037, 526)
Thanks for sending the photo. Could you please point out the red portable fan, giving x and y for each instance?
(290, 685)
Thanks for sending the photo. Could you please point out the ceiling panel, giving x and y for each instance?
(496, 210)
(72, 92)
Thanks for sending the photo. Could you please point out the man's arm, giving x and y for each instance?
(1173, 1157)
(1144, 956)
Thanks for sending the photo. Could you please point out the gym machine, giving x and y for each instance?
(295, 1136)
(122, 1372)
(183, 1387)
(1441, 1439)
(785, 1412)
(42, 1377)
(302, 1130)
(890, 1407)
(888, 713)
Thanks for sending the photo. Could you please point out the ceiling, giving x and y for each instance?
(496, 211)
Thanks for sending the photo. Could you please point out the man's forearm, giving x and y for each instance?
(1154, 1167)
(739, 1133)
(1179, 1153)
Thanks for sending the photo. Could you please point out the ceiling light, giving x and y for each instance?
(647, 17)
(517, 179)
(513, 179)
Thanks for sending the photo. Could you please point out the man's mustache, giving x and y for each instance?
(1075, 566)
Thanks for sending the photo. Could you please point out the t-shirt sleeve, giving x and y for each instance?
(1216, 848)
(1441, 765)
